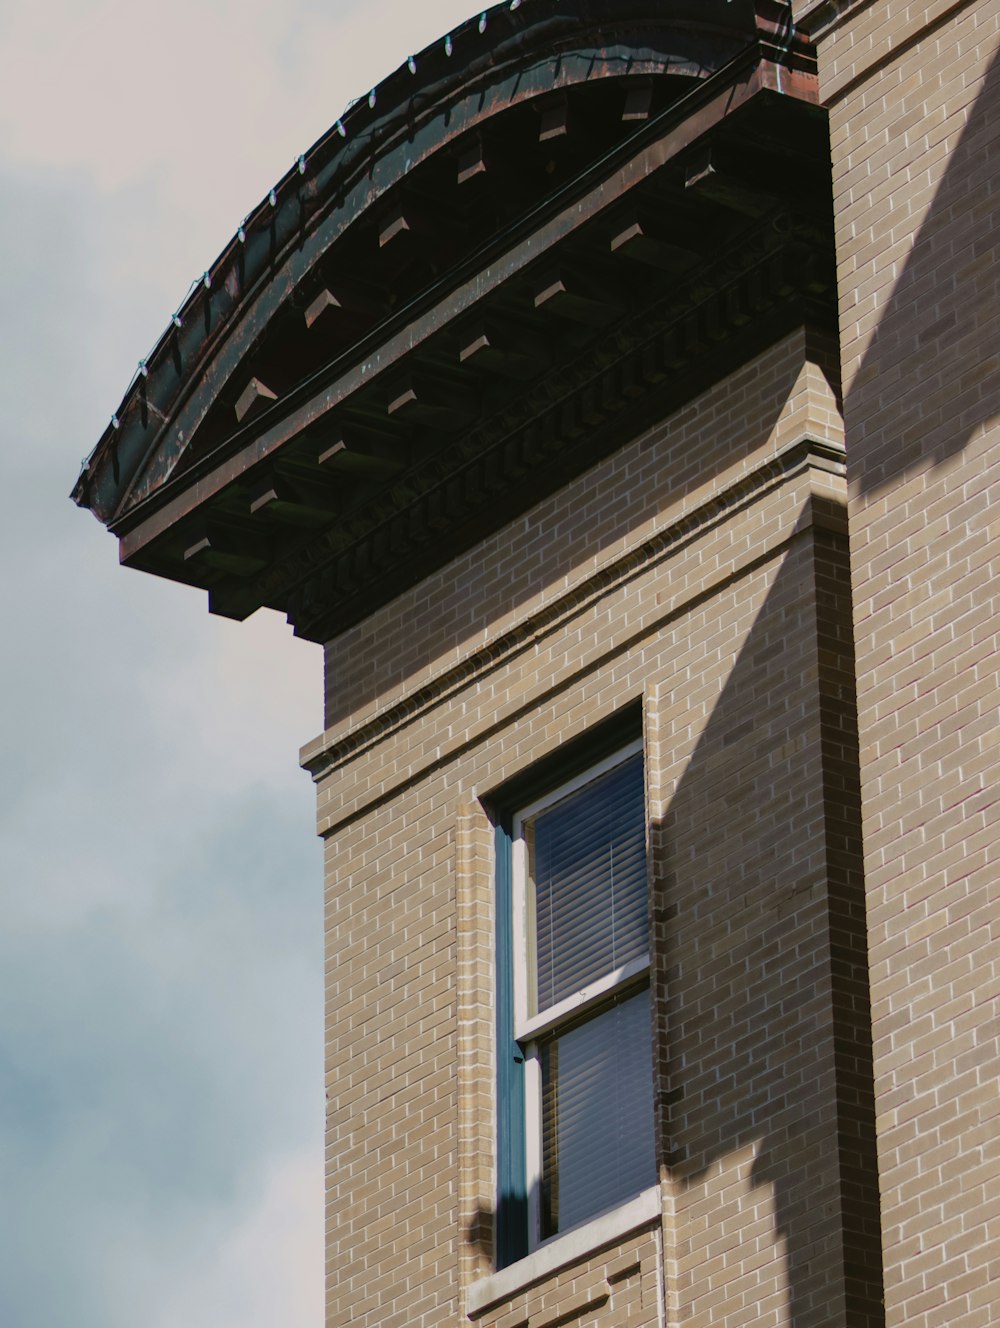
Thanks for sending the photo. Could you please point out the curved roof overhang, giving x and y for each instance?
(487, 268)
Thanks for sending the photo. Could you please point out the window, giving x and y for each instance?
(575, 1074)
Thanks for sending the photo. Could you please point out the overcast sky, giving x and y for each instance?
(161, 1097)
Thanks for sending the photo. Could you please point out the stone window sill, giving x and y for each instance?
(561, 1251)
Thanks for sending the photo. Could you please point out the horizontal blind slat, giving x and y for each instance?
(597, 1114)
(588, 868)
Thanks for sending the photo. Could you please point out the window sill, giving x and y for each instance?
(560, 1251)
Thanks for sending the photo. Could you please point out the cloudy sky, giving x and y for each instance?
(161, 1100)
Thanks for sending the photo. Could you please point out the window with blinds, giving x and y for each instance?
(581, 995)
(587, 883)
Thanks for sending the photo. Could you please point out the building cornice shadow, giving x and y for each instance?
(766, 1107)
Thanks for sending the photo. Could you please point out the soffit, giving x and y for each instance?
(599, 211)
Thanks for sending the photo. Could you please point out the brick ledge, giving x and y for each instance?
(333, 748)
(561, 1251)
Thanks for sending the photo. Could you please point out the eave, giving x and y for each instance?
(686, 239)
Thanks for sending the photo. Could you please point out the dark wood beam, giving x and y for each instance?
(416, 221)
(472, 164)
(580, 299)
(339, 299)
(234, 597)
(503, 351)
(307, 409)
(645, 240)
(361, 453)
(299, 501)
(323, 303)
(393, 228)
(638, 100)
(708, 177)
(424, 400)
(554, 119)
(254, 399)
(224, 548)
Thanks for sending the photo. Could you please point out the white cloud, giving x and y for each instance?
(205, 105)
(260, 1272)
(145, 87)
(160, 930)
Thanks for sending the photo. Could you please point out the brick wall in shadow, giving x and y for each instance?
(919, 247)
(492, 587)
(928, 379)
(764, 1079)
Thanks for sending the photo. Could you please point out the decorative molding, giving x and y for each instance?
(335, 748)
(427, 103)
(739, 255)
(823, 20)
(818, 18)
(334, 580)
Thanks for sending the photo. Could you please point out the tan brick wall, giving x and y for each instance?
(913, 95)
(701, 450)
(687, 572)
(749, 852)
(617, 1288)
(862, 40)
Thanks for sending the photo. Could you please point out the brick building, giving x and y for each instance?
(565, 395)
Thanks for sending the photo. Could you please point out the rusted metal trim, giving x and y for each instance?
(348, 150)
(486, 280)
(555, 446)
(221, 355)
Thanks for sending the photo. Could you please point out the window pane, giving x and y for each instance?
(597, 1115)
(587, 862)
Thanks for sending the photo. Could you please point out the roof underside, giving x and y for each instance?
(570, 216)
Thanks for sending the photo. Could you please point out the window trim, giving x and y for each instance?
(519, 1115)
(595, 993)
(527, 1026)
(511, 1225)
(568, 1248)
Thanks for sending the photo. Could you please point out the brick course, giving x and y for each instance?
(701, 571)
(912, 91)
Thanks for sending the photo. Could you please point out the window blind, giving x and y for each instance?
(597, 1115)
(587, 869)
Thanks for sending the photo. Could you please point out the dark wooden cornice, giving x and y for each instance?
(628, 381)
(521, 292)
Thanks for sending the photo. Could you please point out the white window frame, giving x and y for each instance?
(528, 1027)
